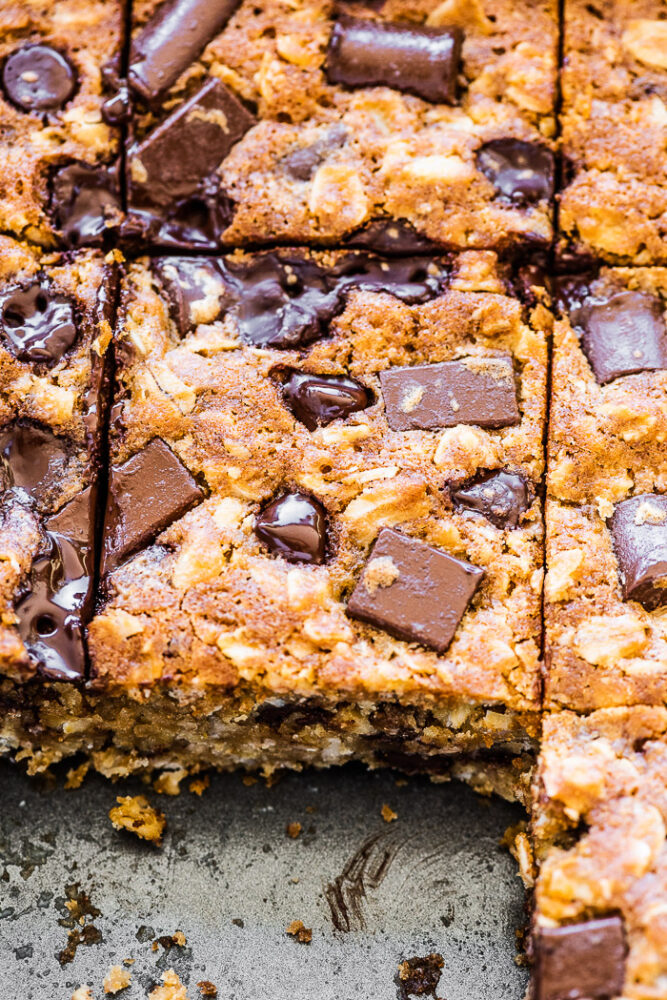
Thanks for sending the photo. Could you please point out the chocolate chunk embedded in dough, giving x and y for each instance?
(146, 493)
(316, 400)
(639, 533)
(521, 171)
(38, 324)
(196, 289)
(474, 390)
(32, 458)
(38, 78)
(407, 57)
(584, 961)
(174, 37)
(413, 590)
(294, 526)
(623, 334)
(179, 154)
(85, 203)
(502, 497)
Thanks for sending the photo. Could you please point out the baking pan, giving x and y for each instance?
(433, 880)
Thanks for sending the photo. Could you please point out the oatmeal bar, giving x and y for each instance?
(614, 131)
(606, 511)
(56, 317)
(600, 812)
(322, 536)
(59, 105)
(392, 126)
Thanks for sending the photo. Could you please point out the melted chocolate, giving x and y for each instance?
(33, 459)
(37, 323)
(316, 400)
(38, 78)
(85, 203)
(294, 527)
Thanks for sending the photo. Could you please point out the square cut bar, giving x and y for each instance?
(252, 384)
(56, 316)
(614, 131)
(600, 812)
(393, 127)
(606, 514)
(60, 98)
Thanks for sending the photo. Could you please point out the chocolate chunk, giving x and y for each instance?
(189, 280)
(53, 613)
(502, 497)
(85, 203)
(414, 591)
(146, 494)
(38, 78)
(286, 302)
(32, 458)
(521, 171)
(38, 324)
(316, 400)
(391, 236)
(302, 162)
(294, 527)
(639, 533)
(474, 390)
(584, 961)
(408, 57)
(116, 109)
(206, 126)
(175, 36)
(622, 334)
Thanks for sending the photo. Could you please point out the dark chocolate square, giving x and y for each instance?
(584, 961)
(639, 532)
(414, 591)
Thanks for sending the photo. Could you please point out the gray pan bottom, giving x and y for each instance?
(434, 880)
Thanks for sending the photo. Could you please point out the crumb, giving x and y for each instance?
(169, 782)
(172, 988)
(419, 976)
(388, 814)
(116, 979)
(311, 809)
(75, 775)
(298, 930)
(83, 993)
(199, 785)
(129, 961)
(207, 989)
(293, 830)
(175, 940)
(401, 782)
(137, 815)
(295, 879)
(249, 780)
(238, 922)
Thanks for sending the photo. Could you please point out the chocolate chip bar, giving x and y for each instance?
(606, 513)
(392, 127)
(322, 537)
(60, 101)
(613, 205)
(599, 926)
(56, 318)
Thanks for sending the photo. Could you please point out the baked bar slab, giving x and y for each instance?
(323, 538)
(614, 131)
(606, 481)
(600, 923)
(311, 122)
